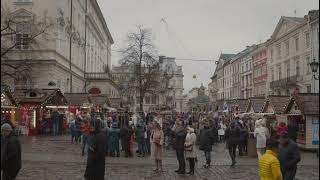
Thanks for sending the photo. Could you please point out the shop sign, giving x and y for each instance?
(315, 131)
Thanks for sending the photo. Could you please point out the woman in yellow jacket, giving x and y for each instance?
(269, 165)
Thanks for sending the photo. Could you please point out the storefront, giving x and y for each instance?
(36, 106)
(303, 111)
(8, 105)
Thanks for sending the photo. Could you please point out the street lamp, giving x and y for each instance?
(314, 68)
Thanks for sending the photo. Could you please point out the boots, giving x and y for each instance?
(157, 166)
(160, 165)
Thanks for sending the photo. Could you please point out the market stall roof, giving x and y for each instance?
(99, 100)
(304, 103)
(77, 99)
(255, 104)
(275, 104)
(242, 104)
(7, 99)
(42, 96)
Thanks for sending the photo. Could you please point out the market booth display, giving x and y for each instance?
(8, 105)
(78, 102)
(35, 106)
(303, 111)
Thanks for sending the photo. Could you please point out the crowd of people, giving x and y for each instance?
(116, 136)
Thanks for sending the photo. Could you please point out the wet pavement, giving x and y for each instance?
(55, 158)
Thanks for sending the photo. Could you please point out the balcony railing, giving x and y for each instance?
(289, 81)
(97, 76)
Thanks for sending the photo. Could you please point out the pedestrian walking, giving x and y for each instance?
(139, 134)
(156, 140)
(289, 156)
(293, 130)
(261, 133)
(206, 142)
(114, 137)
(10, 153)
(221, 130)
(180, 137)
(55, 118)
(269, 165)
(243, 138)
(72, 127)
(190, 152)
(85, 131)
(78, 129)
(232, 137)
(147, 138)
(96, 154)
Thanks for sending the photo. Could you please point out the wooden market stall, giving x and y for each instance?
(35, 104)
(276, 105)
(8, 105)
(303, 111)
(78, 102)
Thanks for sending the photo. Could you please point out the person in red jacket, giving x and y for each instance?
(282, 128)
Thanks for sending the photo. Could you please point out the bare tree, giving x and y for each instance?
(141, 53)
(17, 35)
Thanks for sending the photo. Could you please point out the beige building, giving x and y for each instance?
(259, 57)
(52, 64)
(289, 55)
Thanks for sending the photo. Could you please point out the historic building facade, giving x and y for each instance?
(71, 54)
(260, 70)
(289, 55)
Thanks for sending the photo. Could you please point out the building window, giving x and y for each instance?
(271, 55)
(307, 39)
(279, 50)
(297, 68)
(287, 48)
(309, 88)
(23, 30)
(272, 74)
(297, 43)
(288, 68)
(279, 72)
(308, 64)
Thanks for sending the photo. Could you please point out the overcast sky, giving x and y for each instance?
(199, 29)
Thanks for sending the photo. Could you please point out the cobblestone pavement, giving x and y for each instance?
(54, 158)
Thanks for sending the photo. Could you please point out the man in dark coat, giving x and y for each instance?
(55, 118)
(293, 130)
(289, 156)
(125, 136)
(206, 142)
(180, 137)
(232, 136)
(96, 154)
(10, 153)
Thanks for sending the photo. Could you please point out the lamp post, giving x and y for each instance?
(314, 68)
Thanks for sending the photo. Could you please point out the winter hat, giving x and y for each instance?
(6, 127)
